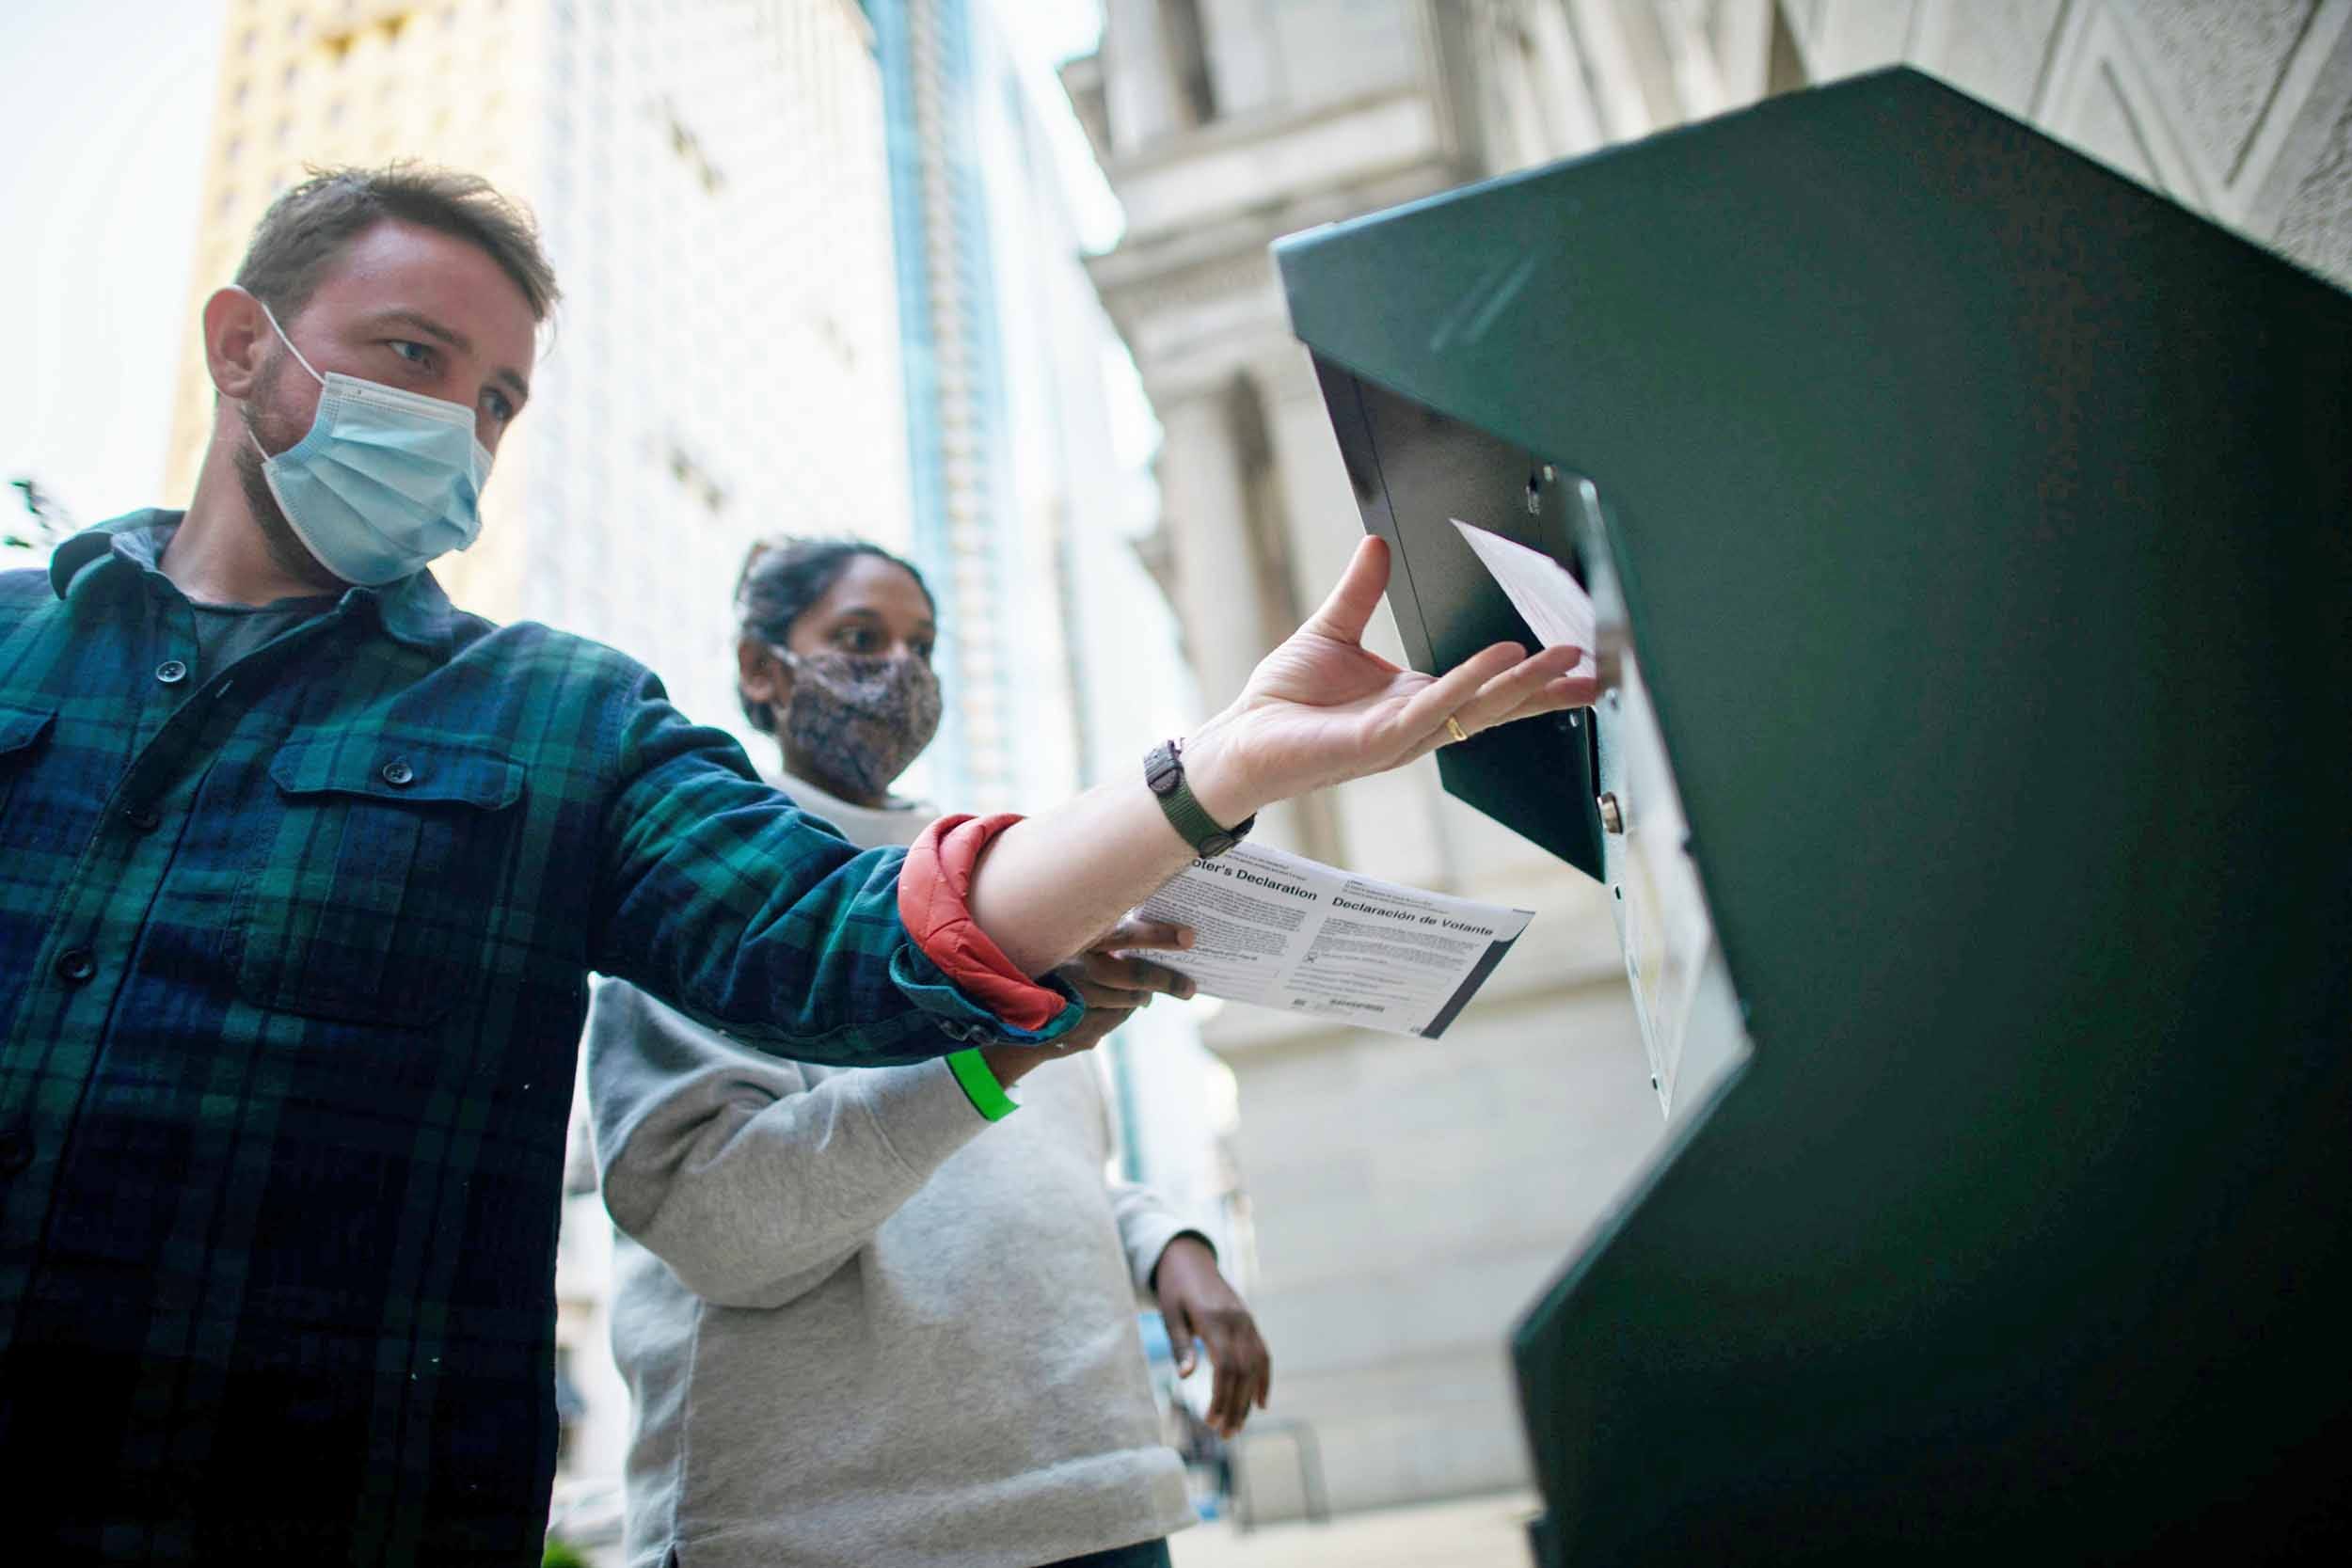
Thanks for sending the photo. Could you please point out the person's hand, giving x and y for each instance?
(1113, 986)
(1110, 986)
(1196, 1304)
(1321, 709)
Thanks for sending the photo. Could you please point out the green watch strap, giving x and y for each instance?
(1164, 771)
(988, 1096)
(1190, 820)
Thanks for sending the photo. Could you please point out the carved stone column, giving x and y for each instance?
(1220, 596)
(1140, 92)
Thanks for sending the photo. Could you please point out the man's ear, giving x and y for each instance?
(236, 340)
(760, 675)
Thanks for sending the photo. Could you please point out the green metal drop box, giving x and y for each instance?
(1970, 532)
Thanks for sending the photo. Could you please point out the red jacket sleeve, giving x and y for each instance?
(934, 886)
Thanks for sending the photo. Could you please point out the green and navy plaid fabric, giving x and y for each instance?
(292, 968)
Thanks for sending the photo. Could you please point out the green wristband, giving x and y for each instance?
(988, 1096)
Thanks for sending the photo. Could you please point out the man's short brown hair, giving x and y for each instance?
(307, 227)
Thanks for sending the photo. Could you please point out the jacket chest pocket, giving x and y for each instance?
(374, 894)
(21, 733)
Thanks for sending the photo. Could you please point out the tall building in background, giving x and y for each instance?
(1411, 1199)
(982, 519)
(714, 193)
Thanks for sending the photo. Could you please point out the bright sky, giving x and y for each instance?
(1048, 32)
(105, 117)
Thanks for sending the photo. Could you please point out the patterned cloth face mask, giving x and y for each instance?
(862, 717)
(385, 480)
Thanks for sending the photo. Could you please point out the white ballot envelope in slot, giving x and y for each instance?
(1692, 1033)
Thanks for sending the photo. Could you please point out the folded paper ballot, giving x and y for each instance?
(1283, 931)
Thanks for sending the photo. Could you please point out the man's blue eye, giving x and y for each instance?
(416, 354)
(500, 409)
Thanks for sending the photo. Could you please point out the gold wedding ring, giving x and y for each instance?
(1453, 728)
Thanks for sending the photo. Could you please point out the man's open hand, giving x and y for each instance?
(1321, 709)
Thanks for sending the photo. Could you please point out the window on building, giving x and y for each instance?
(1188, 45)
(689, 148)
(695, 481)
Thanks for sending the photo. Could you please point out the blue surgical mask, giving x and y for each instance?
(385, 480)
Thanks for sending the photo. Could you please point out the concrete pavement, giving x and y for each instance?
(1475, 1533)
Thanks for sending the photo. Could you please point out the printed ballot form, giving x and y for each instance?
(1283, 931)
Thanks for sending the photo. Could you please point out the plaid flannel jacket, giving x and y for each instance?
(292, 961)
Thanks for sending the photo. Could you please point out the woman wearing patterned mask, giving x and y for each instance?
(870, 1316)
(834, 659)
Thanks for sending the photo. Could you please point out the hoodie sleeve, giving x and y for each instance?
(750, 1177)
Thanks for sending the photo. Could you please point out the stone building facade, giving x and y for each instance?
(1410, 1198)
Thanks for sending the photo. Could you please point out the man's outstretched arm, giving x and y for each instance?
(1318, 710)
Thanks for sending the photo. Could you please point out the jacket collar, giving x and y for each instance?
(413, 610)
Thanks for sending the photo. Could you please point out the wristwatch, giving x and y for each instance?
(1164, 770)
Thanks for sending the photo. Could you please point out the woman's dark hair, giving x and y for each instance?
(782, 578)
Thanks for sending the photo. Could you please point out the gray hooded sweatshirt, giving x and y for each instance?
(860, 1324)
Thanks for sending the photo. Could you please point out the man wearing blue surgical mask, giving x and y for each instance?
(302, 873)
(384, 482)
(362, 461)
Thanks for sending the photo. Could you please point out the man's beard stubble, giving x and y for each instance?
(287, 551)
